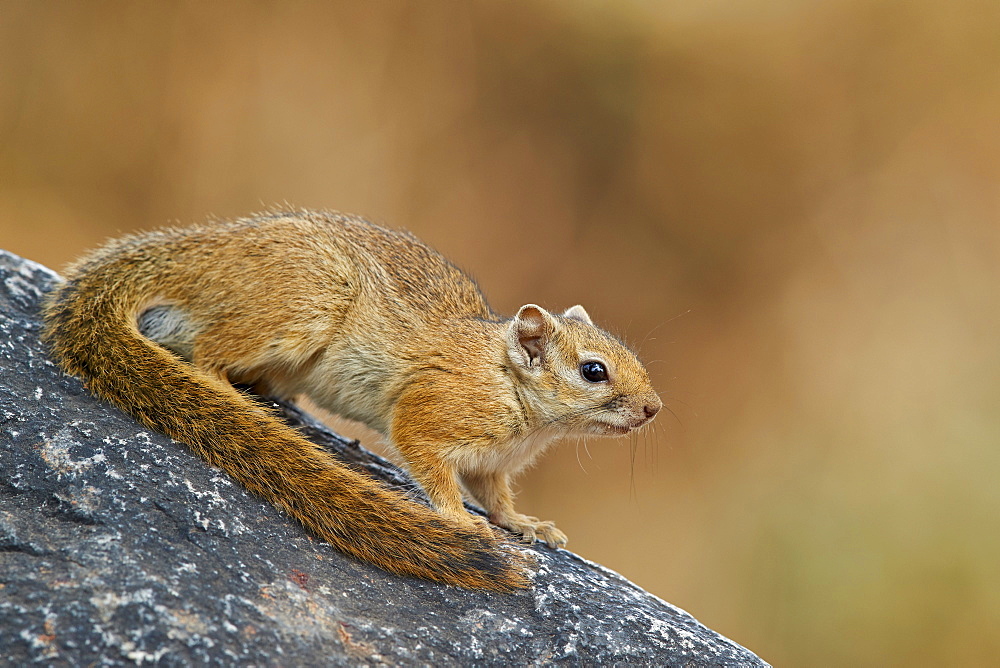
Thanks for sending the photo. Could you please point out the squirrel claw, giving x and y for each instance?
(532, 529)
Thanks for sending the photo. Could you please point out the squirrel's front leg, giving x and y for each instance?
(440, 481)
(427, 429)
(416, 437)
(493, 491)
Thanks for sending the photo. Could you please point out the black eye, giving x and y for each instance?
(593, 372)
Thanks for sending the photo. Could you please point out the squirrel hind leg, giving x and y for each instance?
(170, 327)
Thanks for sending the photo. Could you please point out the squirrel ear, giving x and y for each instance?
(578, 313)
(528, 334)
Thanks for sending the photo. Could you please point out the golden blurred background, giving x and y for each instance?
(789, 208)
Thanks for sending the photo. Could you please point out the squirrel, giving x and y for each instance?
(370, 324)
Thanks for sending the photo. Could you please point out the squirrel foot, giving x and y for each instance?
(475, 523)
(532, 529)
(482, 526)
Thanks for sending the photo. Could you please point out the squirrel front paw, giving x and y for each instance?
(532, 529)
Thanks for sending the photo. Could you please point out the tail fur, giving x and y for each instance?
(92, 334)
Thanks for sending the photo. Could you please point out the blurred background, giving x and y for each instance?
(789, 208)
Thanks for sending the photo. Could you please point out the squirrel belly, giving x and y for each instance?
(370, 324)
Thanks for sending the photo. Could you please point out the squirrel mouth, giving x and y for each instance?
(613, 429)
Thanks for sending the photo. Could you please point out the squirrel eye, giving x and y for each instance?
(593, 372)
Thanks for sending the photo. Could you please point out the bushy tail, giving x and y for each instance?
(92, 334)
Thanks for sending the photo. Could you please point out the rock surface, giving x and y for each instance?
(118, 546)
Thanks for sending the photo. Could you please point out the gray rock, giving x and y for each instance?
(118, 546)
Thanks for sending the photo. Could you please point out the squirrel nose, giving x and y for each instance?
(652, 409)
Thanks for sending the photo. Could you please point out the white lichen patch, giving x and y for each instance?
(140, 657)
(22, 284)
(215, 499)
(29, 270)
(481, 618)
(297, 610)
(56, 453)
(87, 431)
(636, 591)
(87, 499)
(185, 626)
(41, 643)
(107, 603)
(203, 522)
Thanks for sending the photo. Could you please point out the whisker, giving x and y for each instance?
(578, 461)
(631, 487)
(665, 322)
(681, 402)
(645, 448)
(675, 415)
(656, 449)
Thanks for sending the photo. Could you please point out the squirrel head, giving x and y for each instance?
(576, 375)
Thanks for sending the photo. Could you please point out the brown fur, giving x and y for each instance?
(370, 324)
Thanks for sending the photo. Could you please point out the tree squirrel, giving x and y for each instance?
(371, 324)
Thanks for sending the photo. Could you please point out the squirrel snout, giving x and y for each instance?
(652, 407)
